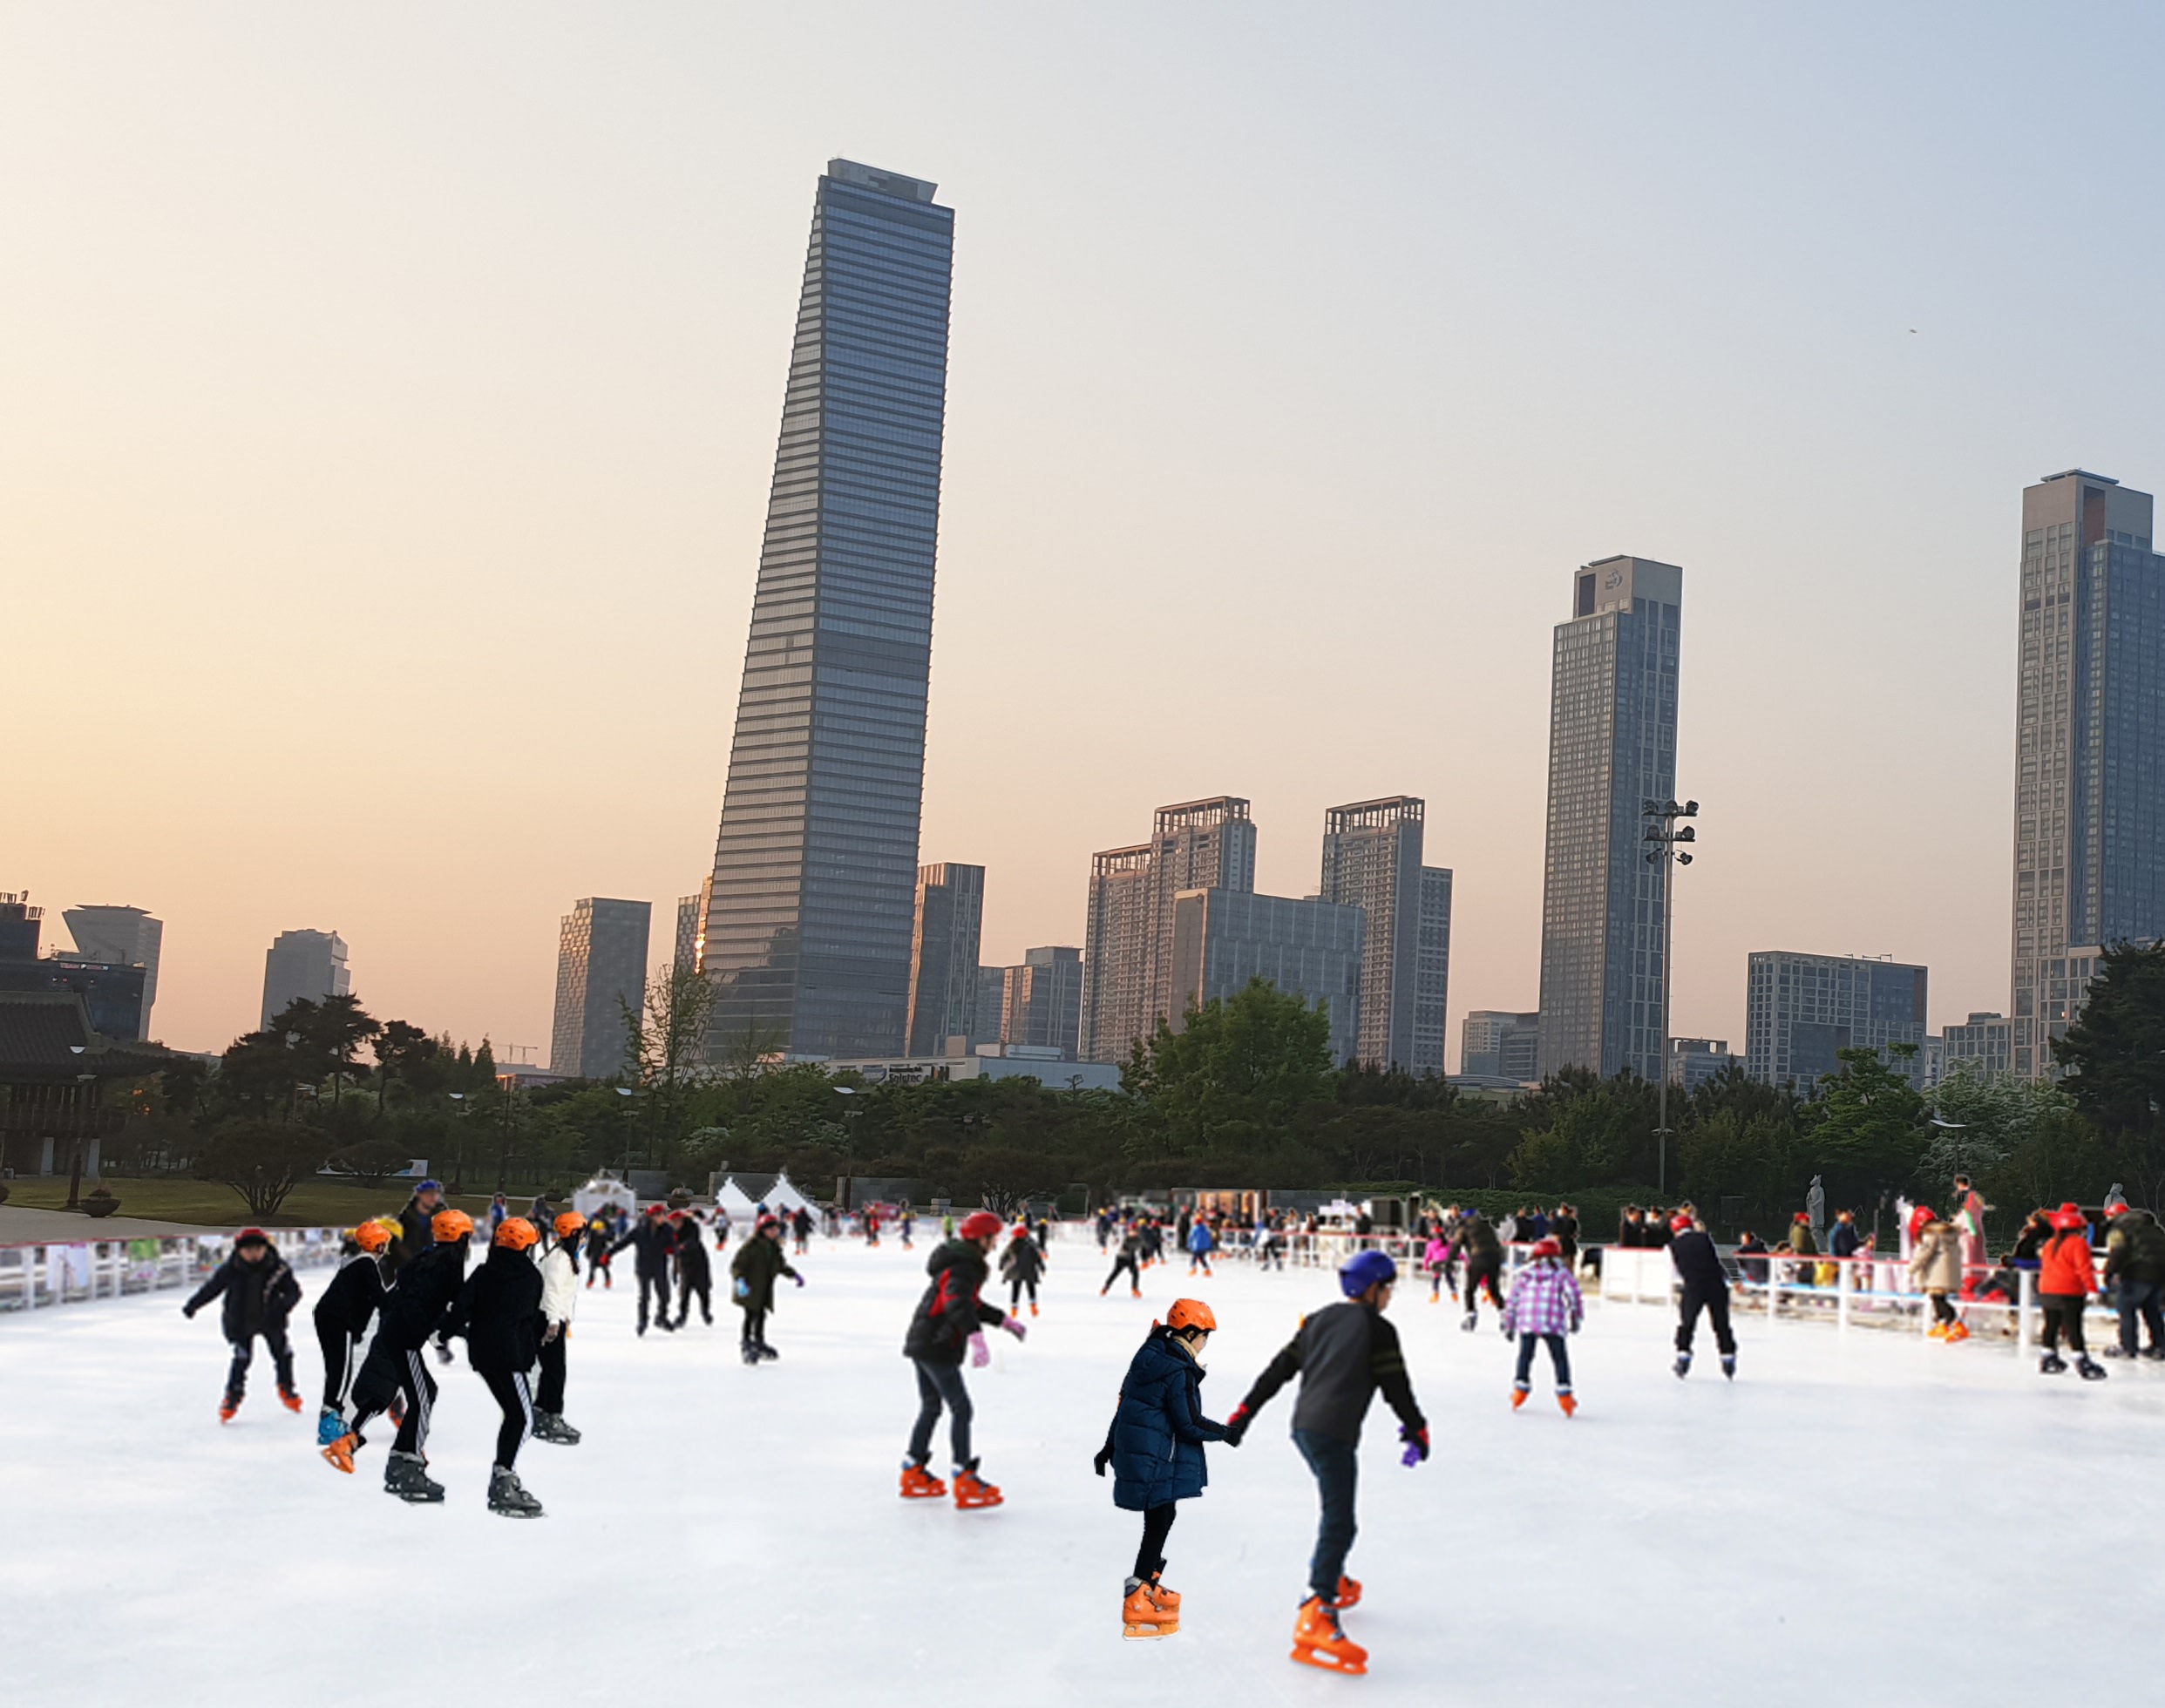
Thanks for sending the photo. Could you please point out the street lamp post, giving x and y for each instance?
(1663, 855)
(849, 1146)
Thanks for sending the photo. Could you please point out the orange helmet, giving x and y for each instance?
(372, 1236)
(516, 1232)
(450, 1225)
(570, 1225)
(1190, 1313)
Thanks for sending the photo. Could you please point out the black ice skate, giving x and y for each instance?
(409, 1480)
(751, 1352)
(1473, 1320)
(1683, 1366)
(550, 1426)
(764, 1350)
(1728, 1366)
(2052, 1364)
(2089, 1369)
(508, 1496)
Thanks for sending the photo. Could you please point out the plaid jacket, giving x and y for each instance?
(1545, 1300)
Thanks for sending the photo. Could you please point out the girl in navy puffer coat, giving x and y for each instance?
(1155, 1447)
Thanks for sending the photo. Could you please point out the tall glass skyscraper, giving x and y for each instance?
(1611, 749)
(815, 869)
(2089, 859)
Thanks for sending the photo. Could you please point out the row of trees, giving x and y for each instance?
(1244, 1095)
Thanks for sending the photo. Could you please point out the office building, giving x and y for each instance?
(808, 930)
(1497, 1043)
(1693, 1061)
(992, 1006)
(300, 964)
(112, 993)
(601, 972)
(1041, 1001)
(2089, 862)
(1224, 939)
(1800, 1011)
(1127, 972)
(1611, 749)
(949, 917)
(689, 951)
(1983, 1045)
(119, 936)
(1372, 861)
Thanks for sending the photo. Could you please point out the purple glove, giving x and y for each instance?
(1014, 1325)
(980, 1354)
(800, 1280)
(1417, 1442)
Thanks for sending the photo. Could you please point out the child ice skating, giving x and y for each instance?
(950, 1319)
(1343, 1353)
(1201, 1243)
(1019, 1266)
(598, 1245)
(1544, 1307)
(1126, 1259)
(1477, 1247)
(1936, 1272)
(560, 1298)
(2065, 1279)
(752, 1273)
(498, 1314)
(342, 1316)
(1155, 1447)
(694, 1273)
(1706, 1288)
(259, 1292)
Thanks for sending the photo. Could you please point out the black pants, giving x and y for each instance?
(755, 1326)
(391, 1373)
(1714, 1301)
(1134, 1275)
(1202, 1257)
(515, 1399)
(550, 1396)
(2139, 1303)
(2063, 1314)
(1014, 1290)
(1942, 1311)
(940, 1386)
(342, 1363)
(244, 1354)
(657, 1286)
(1337, 1469)
(685, 1288)
(1480, 1274)
(1150, 1559)
(1558, 1356)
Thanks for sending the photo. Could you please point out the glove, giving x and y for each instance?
(798, 1279)
(1104, 1457)
(550, 1334)
(1235, 1425)
(980, 1354)
(189, 1310)
(1014, 1325)
(742, 1288)
(443, 1352)
(1417, 1442)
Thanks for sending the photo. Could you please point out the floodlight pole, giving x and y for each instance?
(1662, 833)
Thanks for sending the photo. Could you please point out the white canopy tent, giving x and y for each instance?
(783, 1198)
(604, 1193)
(732, 1202)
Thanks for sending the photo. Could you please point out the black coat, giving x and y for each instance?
(652, 1242)
(1022, 1261)
(415, 1235)
(499, 1312)
(350, 1300)
(1343, 1353)
(691, 1258)
(421, 1304)
(950, 1312)
(1697, 1262)
(259, 1295)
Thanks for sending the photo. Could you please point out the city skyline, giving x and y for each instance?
(603, 377)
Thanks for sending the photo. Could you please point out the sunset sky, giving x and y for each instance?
(388, 399)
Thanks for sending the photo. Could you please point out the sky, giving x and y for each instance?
(388, 403)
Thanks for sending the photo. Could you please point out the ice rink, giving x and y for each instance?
(1871, 1515)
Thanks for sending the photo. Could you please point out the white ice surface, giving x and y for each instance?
(1871, 1514)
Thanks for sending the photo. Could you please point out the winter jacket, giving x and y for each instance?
(1544, 1300)
(1936, 1263)
(1802, 1243)
(1475, 1240)
(350, 1300)
(1698, 1264)
(651, 1245)
(950, 1312)
(1155, 1439)
(1654, 1233)
(692, 1264)
(1631, 1233)
(499, 1312)
(2135, 1247)
(421, 1304)
(1436, 1254)
(259, 1295)
(1343, 1353)
(415, 1235)
(1200, 1240)
(2067, 1272)
(756, 1264)
(1843, 1240)
(1021, 1261)
(559, 1284)
(1564, 1232)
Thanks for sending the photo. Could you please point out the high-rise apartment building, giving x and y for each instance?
(1127, 972)
(601, 972)
(311, 964)
(1372, 861)
(1042, 1000)
(2089, 857)
(119, 936)
(989, 1019)
(1799, 1011)
(949, 918)
(1693, 1061)
(1983, 1045)
(808, 930)
(1497, 1043)
(1432, 972)
(1224, 939)
(1611, 749)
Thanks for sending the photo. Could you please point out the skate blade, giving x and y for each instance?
(517, 1512)
(972, 1506)
(1141, 1633)
(1324, 1661)
(925, 1494)
(416, 1498)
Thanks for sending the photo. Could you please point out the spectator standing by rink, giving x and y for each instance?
(1155, 1447)
(1342, 1353)
(1545, 1305)
(259, 1292)
(1706, 1288)
(1630, 1232)
(1968, 1222)
(1936, 1272)
(2134, 1268)
(2065, 1279)
(950, 1320)
(1563, 1230)
(1843, 1240)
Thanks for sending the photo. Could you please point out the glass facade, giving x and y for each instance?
(1799, 1011)
(600, 971)
(1432, 970)
(808, 921)
(1611, 749)
(943, 955)
(311, 964)
(1372, 861)
(1224, 939)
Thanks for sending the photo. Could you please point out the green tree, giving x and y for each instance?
(262, 1161)
(665, 1051)
(2114, 1057)
(1237, 1073)
(1870, 1136)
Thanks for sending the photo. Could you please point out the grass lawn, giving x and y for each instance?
(315, 1203)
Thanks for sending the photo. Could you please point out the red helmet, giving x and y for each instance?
(980, 1225)
(1548, 1247)
(657, 1210)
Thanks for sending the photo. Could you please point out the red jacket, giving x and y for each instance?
(2065, 1267)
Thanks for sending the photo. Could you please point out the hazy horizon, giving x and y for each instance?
(385, 439)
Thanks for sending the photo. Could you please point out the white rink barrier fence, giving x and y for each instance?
(40, 1272)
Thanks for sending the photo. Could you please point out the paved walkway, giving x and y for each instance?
(20, 1226)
